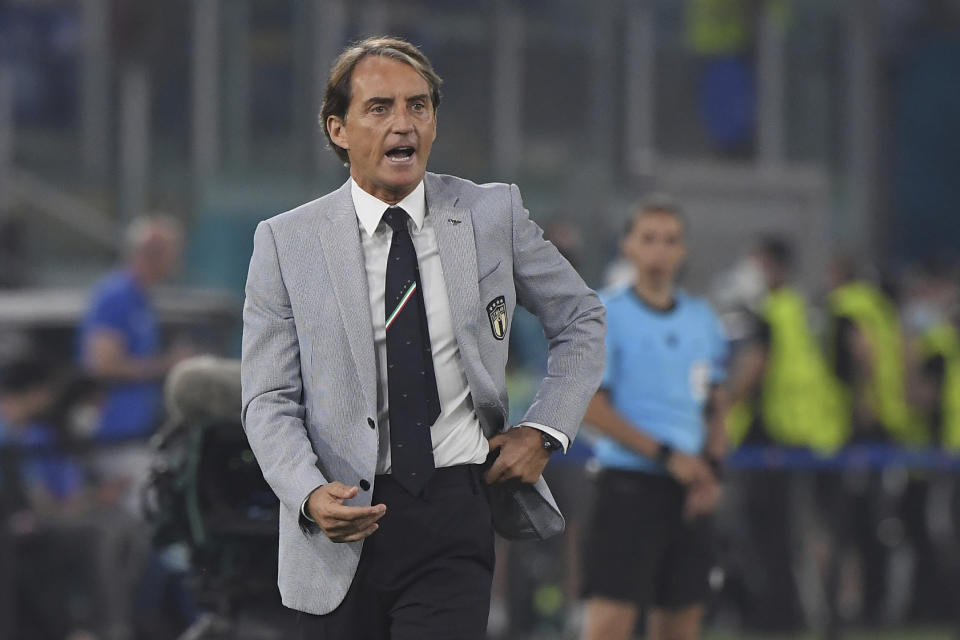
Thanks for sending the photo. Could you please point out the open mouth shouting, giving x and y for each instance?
(402, 154)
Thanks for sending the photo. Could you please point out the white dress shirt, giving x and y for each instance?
(456, 435)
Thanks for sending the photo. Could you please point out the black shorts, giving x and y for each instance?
(639, 549)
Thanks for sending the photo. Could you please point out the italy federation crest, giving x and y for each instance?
(497, 312)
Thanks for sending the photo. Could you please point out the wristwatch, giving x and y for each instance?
(550, 443)
(664, 451)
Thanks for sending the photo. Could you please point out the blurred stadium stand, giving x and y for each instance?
(585, 105)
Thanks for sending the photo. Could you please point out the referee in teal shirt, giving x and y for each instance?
(660, 410)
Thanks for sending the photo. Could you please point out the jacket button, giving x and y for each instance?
(371, 423)
(364, 485)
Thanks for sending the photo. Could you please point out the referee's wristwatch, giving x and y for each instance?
(664, 453)
(550, 443)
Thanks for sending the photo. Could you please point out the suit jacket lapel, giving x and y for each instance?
(340, 239)
(458, 256)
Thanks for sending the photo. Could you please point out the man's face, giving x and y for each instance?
(389, 128)
(160, 254)
(773, 274)
(656, 246)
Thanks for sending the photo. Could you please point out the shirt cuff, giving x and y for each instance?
(559, 435)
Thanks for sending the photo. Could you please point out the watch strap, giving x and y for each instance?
(664, 452)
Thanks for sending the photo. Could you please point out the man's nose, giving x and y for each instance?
(402, 122)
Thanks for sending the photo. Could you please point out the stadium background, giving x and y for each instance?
(833, 124)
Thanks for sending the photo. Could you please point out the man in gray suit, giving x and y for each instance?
(374, 353)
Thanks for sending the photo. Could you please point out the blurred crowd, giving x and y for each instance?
(857, 382)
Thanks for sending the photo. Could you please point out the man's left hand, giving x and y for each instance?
(522, 456)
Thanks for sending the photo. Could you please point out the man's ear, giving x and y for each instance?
(335, 127)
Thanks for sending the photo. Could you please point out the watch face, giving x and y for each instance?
(550, 443)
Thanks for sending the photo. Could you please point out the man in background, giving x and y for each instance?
(784, 395)
(866, 352)
(661, 411)
(120, 346)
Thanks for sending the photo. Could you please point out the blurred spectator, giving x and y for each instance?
(866, 349)
(119, 344)
(47, 478)
(781, 381)
(863, 348)
(932, 316)
(722, 33)
(785, 396)
(23, 394)
(42, 564)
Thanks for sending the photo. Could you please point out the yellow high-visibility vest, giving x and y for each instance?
(800, 402)
(943, 340)
(725, 27)
(876, 318)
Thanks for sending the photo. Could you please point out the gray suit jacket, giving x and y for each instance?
(308, 371)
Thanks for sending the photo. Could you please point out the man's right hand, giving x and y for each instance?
(340, 522)
(689, 470)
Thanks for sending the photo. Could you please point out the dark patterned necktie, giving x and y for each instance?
(414, 403)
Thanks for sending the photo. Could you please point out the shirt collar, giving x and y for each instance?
(370, 209)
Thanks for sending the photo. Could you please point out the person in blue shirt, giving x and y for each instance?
(119, 339)
(119, 346)
(38, 483)
(660, 412)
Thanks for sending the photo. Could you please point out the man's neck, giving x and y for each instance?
(140, 276)
(385, 194)
(654, 294)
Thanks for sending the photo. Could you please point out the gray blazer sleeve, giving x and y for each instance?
(574, 322)
(273, 411)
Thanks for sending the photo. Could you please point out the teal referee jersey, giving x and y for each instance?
(660, 367)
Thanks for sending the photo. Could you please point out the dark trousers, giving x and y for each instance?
(775, 599)
(426, 573)
(854, 504)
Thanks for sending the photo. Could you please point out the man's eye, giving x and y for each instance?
(419, 106)
(378, 108)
